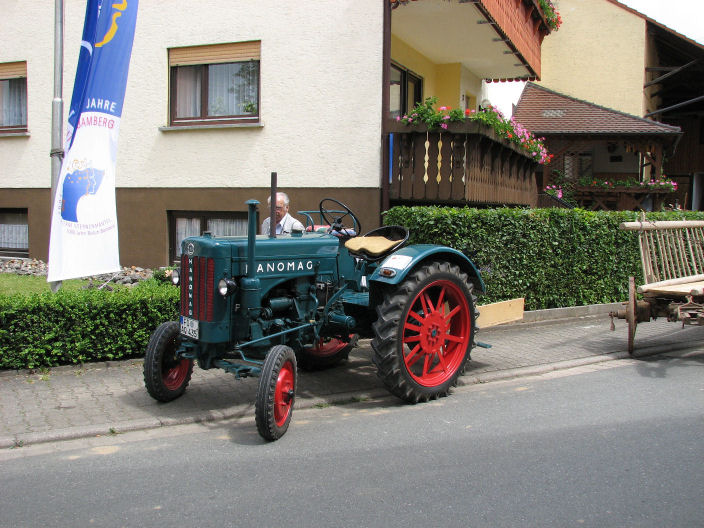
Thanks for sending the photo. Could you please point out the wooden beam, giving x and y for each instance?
(670, 74)
(673, 107)
(660, 68)
(501, 312)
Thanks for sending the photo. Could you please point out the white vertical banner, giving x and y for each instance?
(84, 236)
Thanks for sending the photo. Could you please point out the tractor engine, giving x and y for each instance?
(232, 293)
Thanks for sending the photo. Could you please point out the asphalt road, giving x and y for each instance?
(614, 444)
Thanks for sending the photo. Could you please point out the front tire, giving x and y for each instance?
(424, 332)
(166, 376)
(276, 393)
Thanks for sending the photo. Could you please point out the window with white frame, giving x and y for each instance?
(184, 224)
(13, 97)
(215, 84)
(14, 233)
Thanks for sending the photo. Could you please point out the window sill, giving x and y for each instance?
(7, 133)
(208, 127)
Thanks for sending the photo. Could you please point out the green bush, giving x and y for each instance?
(551, 257)
(46, 330)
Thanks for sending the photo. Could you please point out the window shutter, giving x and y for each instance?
(13, 70)
(215, 53)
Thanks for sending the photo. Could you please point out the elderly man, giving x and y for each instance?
(285, 223)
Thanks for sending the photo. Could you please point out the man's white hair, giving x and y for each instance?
(281, 195)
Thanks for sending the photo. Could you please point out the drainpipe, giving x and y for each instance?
(57, 104)
(385, 105)
(57, 111)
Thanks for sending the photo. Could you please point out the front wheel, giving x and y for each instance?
(424, 332)
(276, 393)
(165, 375)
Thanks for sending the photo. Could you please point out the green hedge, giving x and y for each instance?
(46, 330)
(552, 257)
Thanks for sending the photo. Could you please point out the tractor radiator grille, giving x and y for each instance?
(197, 287)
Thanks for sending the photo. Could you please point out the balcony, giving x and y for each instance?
(467, 164)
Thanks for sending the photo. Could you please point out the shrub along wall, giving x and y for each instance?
(46, 330)
(551, 257)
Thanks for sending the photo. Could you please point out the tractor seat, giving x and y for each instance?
(378, 243)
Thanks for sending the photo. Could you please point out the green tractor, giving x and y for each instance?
(264, 305)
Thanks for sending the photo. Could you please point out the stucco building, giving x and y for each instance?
(220, 94)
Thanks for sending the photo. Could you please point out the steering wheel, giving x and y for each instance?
(334, 218)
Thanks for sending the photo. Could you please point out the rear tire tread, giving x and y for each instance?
(384, 344)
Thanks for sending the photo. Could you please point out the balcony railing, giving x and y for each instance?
(465, 164)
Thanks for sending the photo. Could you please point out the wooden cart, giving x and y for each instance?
(672, 255)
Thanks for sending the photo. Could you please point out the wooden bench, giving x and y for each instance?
(672, 256)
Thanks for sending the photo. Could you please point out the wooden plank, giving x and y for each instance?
(398, 159)
(419, 166)
(408, 164)
(658, 225)
(667, 283)
(446, 151)
(458, 167)
(431, 183)
(501, 312)
(473, 157)
(680, 290)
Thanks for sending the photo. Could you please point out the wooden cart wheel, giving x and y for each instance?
(631, 313)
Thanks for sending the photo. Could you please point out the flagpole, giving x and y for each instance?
(57, 109)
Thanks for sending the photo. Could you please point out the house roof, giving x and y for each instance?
(546, 112)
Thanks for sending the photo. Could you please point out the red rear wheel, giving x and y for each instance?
(424, 332)
(326, 352)
(436, 333)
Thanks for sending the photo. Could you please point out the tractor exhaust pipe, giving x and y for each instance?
(272, 212)
(251, 235)
(251, 293)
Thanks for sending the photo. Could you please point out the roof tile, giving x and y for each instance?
(546, 112)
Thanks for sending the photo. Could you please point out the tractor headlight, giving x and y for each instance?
(175, 277)
(226, 287)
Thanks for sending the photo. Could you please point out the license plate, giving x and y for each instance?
(189, 327)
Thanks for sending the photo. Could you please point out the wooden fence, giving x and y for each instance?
(466, 164)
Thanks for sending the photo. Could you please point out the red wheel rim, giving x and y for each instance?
(173, 377)
(436, 333)
(327, 348)
(283, 394)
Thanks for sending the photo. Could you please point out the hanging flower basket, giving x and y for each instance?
(446, 119)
